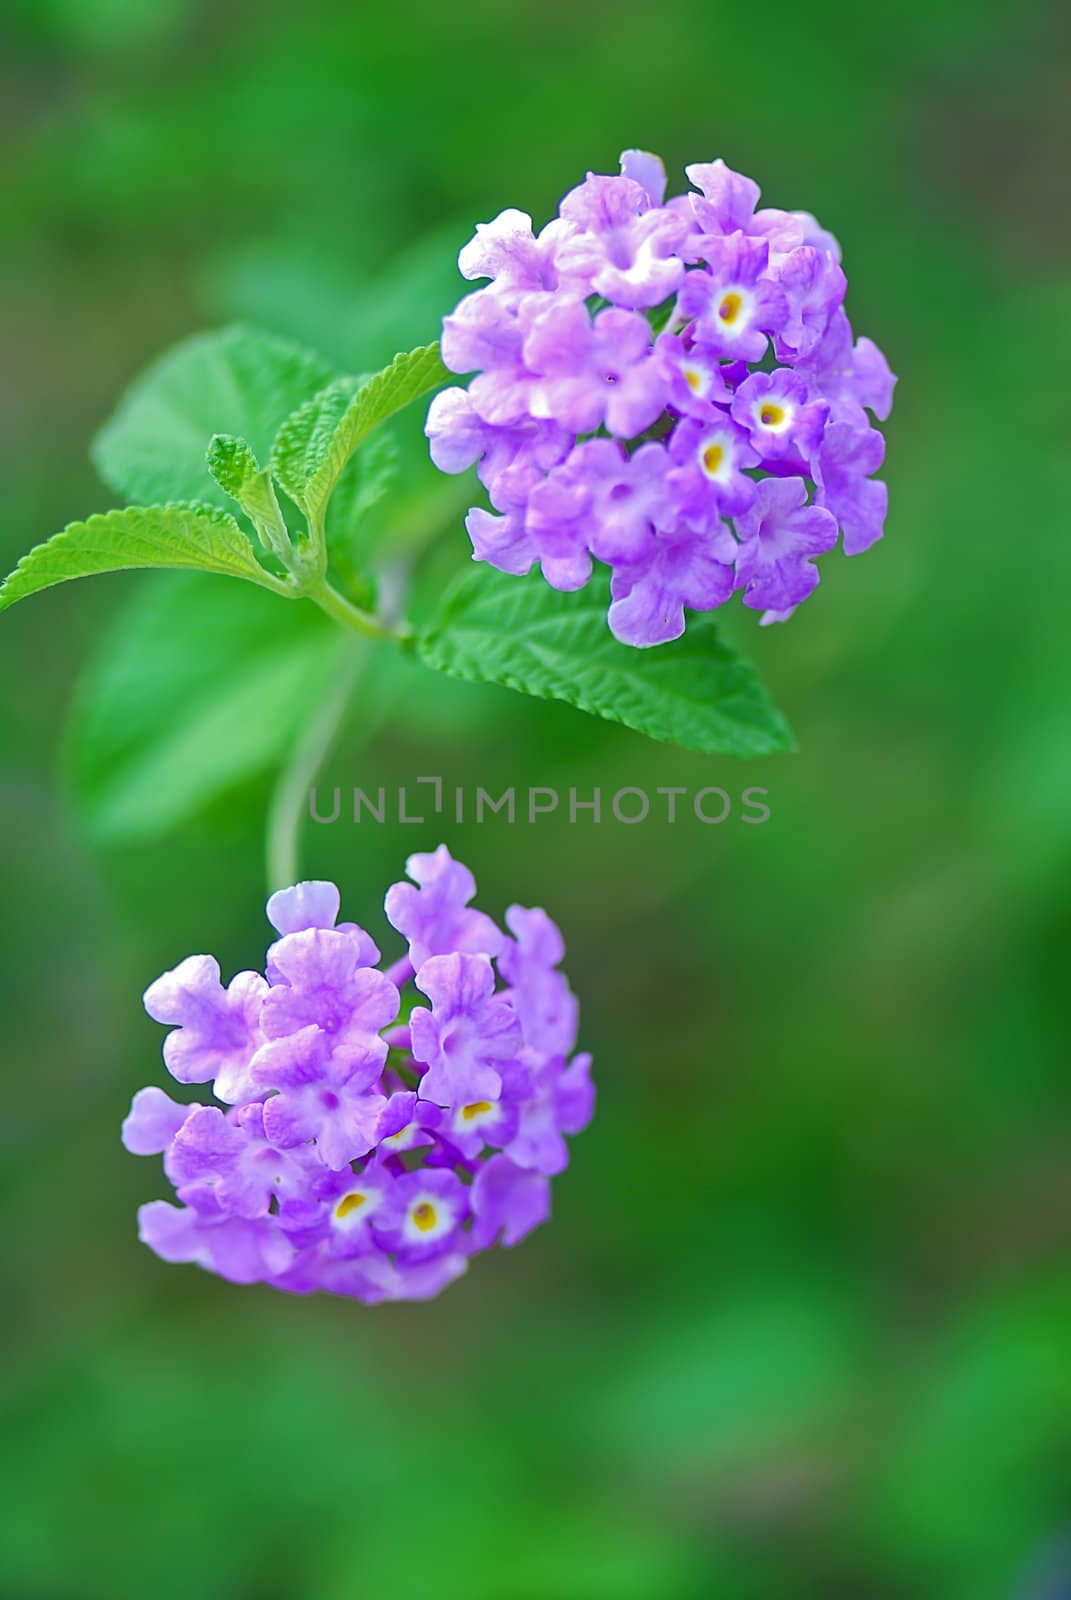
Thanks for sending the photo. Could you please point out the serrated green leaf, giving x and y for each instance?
(232, 464)
(233, 380)
(240, 475)
(194, 688)
(521, 633)
(304, 439)
(137, 536)
(410, 375)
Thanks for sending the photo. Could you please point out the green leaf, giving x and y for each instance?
(137, 536)
(233, 380)
(232, 464)
(194, 688)
(368, 478)
(314, 446)
(304, 439)
(240, 475)
(520, 632)
(354, 538)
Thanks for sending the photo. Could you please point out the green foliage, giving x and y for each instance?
(521, 633)
(332, 442)
(232, 464)
(303, 442)
(239, 474)
(193, 688)
(138, 536)
(369, 482)
(234, 380)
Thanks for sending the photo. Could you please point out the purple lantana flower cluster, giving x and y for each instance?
(373, 1129)
(671, 388)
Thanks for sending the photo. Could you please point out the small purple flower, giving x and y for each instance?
(484, 332)
(589, 372)
(324, 1092)
(682, 568)
(503, 541)
(557, 524)
(726, 200)
(813, 285)
(507, 252)
(423, 1214)
(695, 380)
(436, 917)
(779, 537)
(350, 1202)
(773, 407)
(408, 1123)
(487, 1124)
(618, 244)
(507, 1201)
(466, 1035)
(313, 904)
(735, 303)
(231, 1163)
(217, 1030)
(858, 502)
(232, 1247)
(710, 459)
(459, 438)
(563, 1103)
(320, 978)
(851, 378)
(561, 352)
(626, 495)
(538, 992)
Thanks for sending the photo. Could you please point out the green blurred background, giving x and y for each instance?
(801, 1326)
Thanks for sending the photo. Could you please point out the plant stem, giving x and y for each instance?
(288, 801)
(342, 610)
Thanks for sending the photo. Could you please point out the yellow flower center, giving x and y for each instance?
(424, 1216)
(692, 379)
(477, 1109)
(348, 1203)
(730, 307)
(713, 456)
(770, 416)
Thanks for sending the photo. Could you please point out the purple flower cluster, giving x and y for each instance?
(669, 387)
(352, 1151)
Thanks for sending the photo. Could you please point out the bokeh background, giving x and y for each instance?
(801, 1326)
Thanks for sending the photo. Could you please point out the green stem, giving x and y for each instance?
(342, 610)
(288, 801)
